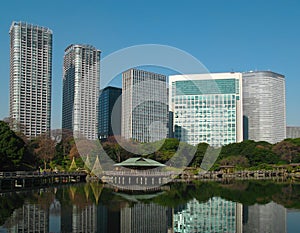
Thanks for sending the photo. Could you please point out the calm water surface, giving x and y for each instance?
(199, 207)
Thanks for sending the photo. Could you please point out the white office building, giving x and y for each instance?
(264, 106)
(81, 80)
(30, 78)
(144, 106)
(207, 108)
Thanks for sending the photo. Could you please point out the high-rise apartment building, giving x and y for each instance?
(30, 78)
(144, 106)
(264, 106)
(207, 108)
(110, 103)
(81, 80)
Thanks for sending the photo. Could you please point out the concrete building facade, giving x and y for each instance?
(264, 106)
(30, 78)
(81, 81)
(144, 106)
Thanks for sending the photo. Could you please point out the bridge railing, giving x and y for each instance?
(138, 173)
(37, 174)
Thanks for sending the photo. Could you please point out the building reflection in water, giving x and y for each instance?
(264, 218)
(29, 218)
(55, 217)
(83, 211)
(144, 218)
(215, 215)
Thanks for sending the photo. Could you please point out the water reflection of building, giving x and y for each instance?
(55, 217)
(29, 218)
(144, 218)
(108, 221)
(215, 215)
(84, 219)
(79, 219)
(264, 218)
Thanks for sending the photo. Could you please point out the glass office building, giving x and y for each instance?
(110, 102)
(81, 80)
(207, 108)
(30, 78)
(144, 106)
(264, 106)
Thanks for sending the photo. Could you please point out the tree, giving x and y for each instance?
(201, 149)
(235, 161)
(12, 148)
(45, 149)
(64, 146)
(286, 150)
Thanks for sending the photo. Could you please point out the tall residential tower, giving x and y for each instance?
(81, 80)
(144, 106)
(30, 78)
(264, 106)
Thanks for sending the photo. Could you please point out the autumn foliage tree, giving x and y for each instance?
(45, 149)
(287, 150)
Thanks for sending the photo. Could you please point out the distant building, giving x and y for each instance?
(30, 78)
(207, 108)
(109, 102)
(293, 132)
(264, 106)
(144, 106)
(81, 80)
(56, 135)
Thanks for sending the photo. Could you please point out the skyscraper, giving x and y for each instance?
(264, 106)
(81, 79)
(144, 106)
(109, 104)
(30, 78)
(207, 108)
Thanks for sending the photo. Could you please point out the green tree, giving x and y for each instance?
(201, 150)
(287, 150)
(12, 149)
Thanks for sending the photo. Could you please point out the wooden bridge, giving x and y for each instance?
(24, 179)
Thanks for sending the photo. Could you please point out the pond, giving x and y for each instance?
(244, 206)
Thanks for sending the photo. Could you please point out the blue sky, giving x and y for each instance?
(224, 35)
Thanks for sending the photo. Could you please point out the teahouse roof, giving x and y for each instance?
(140, 162)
